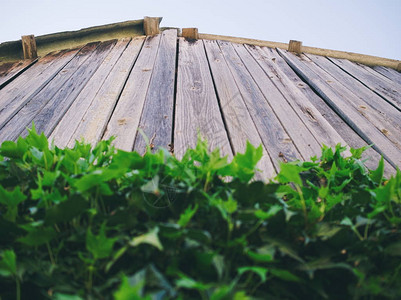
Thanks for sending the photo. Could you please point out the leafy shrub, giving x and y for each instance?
(101, 223)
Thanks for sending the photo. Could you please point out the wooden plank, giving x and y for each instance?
(92, 92)
(49, 116)
(272, 65)
(157, 114)
(151, 25)
(93, 125)
(376, 103)
(124, 121)
(19, 92)
(29, 46)
(10, 71)
(391, 74)
(343, 107)
(238, 121)
(197, 110)
(295, 46)
(275, 138)
(24, 117)
(190, 33)
(298, 132)
(383, 87)
(370, 156)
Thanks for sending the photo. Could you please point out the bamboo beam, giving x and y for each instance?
(29, 46)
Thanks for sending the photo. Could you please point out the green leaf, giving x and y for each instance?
(261, 272)
(14, 150)
(150, 238)
(126, 291)
(187, 215)
(66, 210)
(290, 173)
(60, 296)
(99, 245)
(260, 214)
(189, 283)
(285, 275)
(37, 236)
(377, 175)
(8, 263)
(11, 199)
(393, 249)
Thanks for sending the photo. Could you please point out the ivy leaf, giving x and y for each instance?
(128, 291)
(377, 175)
(260, 214)
(260, 271)
(8, 263)
(285, 275)
(187, 215)
(290, 173)
(14, 150)
(11, 200)
(37, 236)
(99, 245)
(150, 238)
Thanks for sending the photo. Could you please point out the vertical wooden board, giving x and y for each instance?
(123, 123)
(381, 85)
(157, 114)
(24, 117)
(343, 107)
(324, 133)
(376, 103)
(306, 143)
(275, 138)
(239, 122)
(64, 130)
(8, 72)
(49, 116)
(391, 74)
(346, 132)
(93, 124)
(19, 92)
(197, 109)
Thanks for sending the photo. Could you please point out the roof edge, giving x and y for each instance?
(355, 57)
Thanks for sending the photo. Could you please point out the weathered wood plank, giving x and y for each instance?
(92, 126)
(124, 121)
(343, 106)
(275, 138)
(157, 115)
(197, 109)
(272, 64)
(19, 92)
(370, 156)
(376, 103)
(385, 88)
(391, 74)
(73, 118)
(29, 46)
(10, 71)
(239, 122)
(24, 117)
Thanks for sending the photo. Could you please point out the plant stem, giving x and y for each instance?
(50, 254)
(18, 284)
(303, 203)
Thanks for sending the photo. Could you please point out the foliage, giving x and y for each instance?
(101, 223)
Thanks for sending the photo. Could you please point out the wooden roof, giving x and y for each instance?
(173, 88)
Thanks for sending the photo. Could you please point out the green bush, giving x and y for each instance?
(101, 223)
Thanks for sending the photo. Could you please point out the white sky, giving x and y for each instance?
(362, 26)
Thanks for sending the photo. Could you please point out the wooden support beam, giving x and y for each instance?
(295, 46)
(399, 67)
(151, 25)
(190, 33)
(29, 46)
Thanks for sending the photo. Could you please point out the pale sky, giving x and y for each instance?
(362, 26)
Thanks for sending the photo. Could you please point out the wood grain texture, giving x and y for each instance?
(92, 126)
(295, 46)
(19, 92)
(304, 140)
(10, 71)
(151, 25)
(157, 114)
(273, 64)
(197, 110)
(29, 46)
(370, 157)
(239, 122)
(17, 125)
(391, 74)
(380, 84)
(124, 121)
(72, 119)
(275, 138)
(342, 104)
(375, 102)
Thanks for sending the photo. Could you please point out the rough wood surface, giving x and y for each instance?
(157, 114)
(151, 25)
(239, 122)
(197, 109)
(19, 92)
(391, 74)
(10, 71)
(190, 33)
(381, 85)
(341, 104)
(295, 46)
(376, 103)
(29, 47)
(24, 117)
(73, 118)
(273, 65)
(278, 143)
(124, 121)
